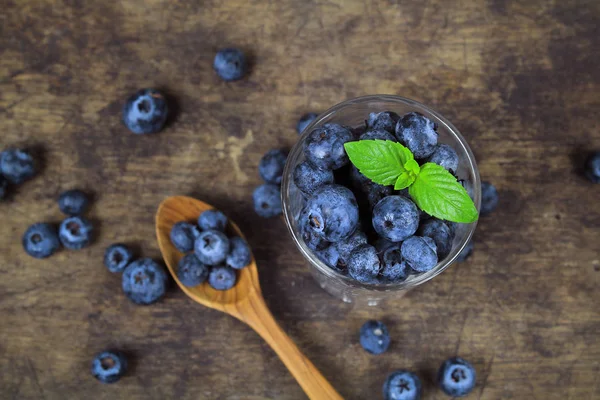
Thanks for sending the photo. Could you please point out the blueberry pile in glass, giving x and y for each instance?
(370, 232)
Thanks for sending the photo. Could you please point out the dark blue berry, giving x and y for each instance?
(212, 219)
(364, 264)
(212, 247)
(144, 281)
(382, 245)
(3, 187)
(17, 165)
(308, 178)
(239, 253)
(418, 133)
(402, 385)
(73, 202)
(385, 120)
(395, 218)
(332, 212)
(190, 271)
(489, 198)
(376, 192)
(358, 180)
(592, 167)
(304, 121)
(267, 200)
(230, 64)
(75, 232)
(441, 234)
(445, 156)
(331, 257)
(271, 166)
(40, 240)
(109, 366)
(345, 246)
(394, 269)
(117, 257)
(312, 238)
(456, 377)
(145, 112)
(419, 253)
(222, 278)
(183, 236)
(466, 252)
(324, 146)
(378, 135)
(374, 337)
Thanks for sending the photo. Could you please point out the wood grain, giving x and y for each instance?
(519, 79)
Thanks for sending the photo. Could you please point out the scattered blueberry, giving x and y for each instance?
(374, 337)
(489, 198)
(466, 252)
(17, 165)
(145, 112)
(190, 271)
(364, 264)
(312, 238)
(307, 177)
(592, 167)
(117, 257)
(267, 200)
(419, 253)
(40, 240)
(441, 234)
(445, 156)
(212, 219)
(73, 202)
(395, 218)
(332, 212)
(394, 269)
(378, 135)
(3, 187)
(324, 146)
(183, 235)
(75, 232)
(304, 121)
(239, 253)
(222, 278)
(402, 385)
(456, 377)
(418, 133)
(345, 246)
(230, 64)
(109, 366)
(385, 120)
(212, 247)
(271, 166)
(144, 281)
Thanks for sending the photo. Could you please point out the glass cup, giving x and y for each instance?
(353, 113)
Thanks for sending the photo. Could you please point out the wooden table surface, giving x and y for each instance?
(519, 79)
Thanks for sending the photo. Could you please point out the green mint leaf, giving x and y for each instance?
(382, 161)
(404, 180)
(438, 193)
(412, 166)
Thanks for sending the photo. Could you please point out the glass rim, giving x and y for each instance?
(330, 272)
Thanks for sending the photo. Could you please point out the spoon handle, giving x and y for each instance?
(255, 313)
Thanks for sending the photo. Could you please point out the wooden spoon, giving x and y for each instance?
(244, 301)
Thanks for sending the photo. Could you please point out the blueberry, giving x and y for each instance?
(222, 278)
(394, 269)
(345, 246)
(378, 135)
(489, 198)
(395, 218)
(374, 337)
(358, 180)
(592, 167)
(441, 234)
(40, 240)
(331, 257)
(466, 252)
(211, 247)
(267, 200)
(385, 120)
(312, 238)
(271, 166)
(145, 112)
(332, 212)
(117, 257)
(324, 146)
(183, 235)
(3, 187)
(304, 121)
(445, 156)
(190, 271)
(456, 377)
(376, 192)
(364, 264)
(382, 245)
(75, 232)
(109, 366)
(418, 133)
(239, 253)
(17, 165)
(308, 178)
(402, 385)
(73, 202)
(230, 64)
(144, 281)
(212, 219)
(419, 253)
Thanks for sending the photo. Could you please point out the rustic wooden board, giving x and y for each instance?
(519, 79)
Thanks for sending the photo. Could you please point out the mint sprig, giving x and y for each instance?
(435, 190)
